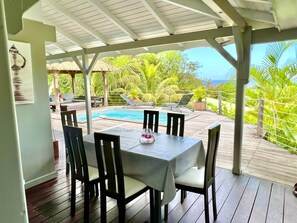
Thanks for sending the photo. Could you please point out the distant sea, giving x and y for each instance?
(217, 82)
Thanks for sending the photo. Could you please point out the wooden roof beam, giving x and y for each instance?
(158, 16)
(102, 9)
(74, 19)
(195, 6)
(257, 15)
(222, 51)
(177, 38)
(227, 12)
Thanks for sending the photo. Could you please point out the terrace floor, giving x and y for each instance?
(259, 157)
(261, 194)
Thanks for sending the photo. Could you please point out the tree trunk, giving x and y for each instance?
(105, 89)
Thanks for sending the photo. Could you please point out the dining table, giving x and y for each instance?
(155, 164)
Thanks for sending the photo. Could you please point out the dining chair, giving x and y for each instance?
(79, 168)
(68, 118)
(115, 184)
(151, 120)
(175, 124)
(199, 180)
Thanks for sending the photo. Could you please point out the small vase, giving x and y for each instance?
(147, 136)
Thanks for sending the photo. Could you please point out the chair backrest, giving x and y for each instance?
(69, 118)
(212, 148)
(77, 156)
(151, 120)
(128, 100)
(185, 99)
(109, 161)
(175, 124)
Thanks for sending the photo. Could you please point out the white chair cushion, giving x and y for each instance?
(132, 186)
(93, 173)
(193, 177)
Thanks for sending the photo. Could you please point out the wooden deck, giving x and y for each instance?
(259, 157)
(245, 198)
(239, 199)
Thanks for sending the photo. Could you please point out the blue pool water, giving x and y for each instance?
(131, 115)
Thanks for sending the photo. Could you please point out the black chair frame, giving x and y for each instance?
(110, 167)
(209, 174)
(151, 120)
(175, 124)
(68, 118)
(79, 168)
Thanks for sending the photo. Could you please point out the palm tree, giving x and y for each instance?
(275, 82)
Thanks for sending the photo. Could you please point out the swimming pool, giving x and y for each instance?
(124, 114)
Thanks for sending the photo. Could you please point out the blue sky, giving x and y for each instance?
(215, 67)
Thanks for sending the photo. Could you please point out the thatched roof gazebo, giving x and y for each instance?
(72, 69)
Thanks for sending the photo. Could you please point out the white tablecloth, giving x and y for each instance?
(155, 164)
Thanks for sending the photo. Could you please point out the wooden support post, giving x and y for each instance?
(12, 193)
(86, 69)
(73, 83)
(260, 118)
(243, 43)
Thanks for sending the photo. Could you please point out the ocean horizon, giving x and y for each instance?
(217, 82)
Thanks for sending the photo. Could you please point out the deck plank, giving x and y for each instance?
(245, 206)
(276, 203)
(260, 208)
(263, 193)
(230, 205)
(290, 206)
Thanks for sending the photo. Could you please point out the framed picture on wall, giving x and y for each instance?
(21, 71)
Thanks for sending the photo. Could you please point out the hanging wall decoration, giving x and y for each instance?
(21, 71)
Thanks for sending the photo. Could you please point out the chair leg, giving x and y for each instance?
(165, 212)
(97, 190)
(92, 190)
(73, 196)
(206, 208)
(67, 168)
(122, 211)
(86, 202)
(152, 204)
(103, 206)
(183, 195)
(214, 202)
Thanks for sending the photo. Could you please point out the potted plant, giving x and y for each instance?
(199, 95)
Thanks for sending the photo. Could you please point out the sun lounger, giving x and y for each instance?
(183, 102)
(131, 103)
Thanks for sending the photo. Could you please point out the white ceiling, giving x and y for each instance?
(114, 27)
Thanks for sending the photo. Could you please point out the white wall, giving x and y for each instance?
(34, 123)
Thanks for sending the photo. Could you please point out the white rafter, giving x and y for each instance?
(227, 12)
(65, 34)
(158, 16)
(77, 21)
(231, 12)
(102, 9)
(195, 6)
(70, 38)
(58, 46)
(258, 1)
(256, 15)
